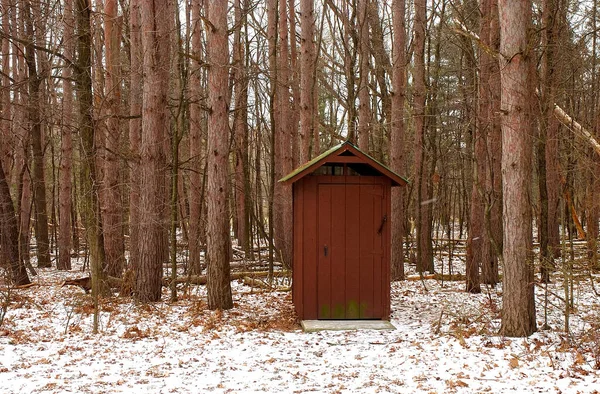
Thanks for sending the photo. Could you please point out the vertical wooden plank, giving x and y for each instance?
(367, 232)
(309, 279)
(324, 307)
(338, 251)
(352, 241)
(378, 223)
(387, 250)
(298, 264)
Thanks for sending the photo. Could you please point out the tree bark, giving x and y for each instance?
(364, 104)
(424, 249)
(153, 249)
(397, 153)
(492, 251)
(217, 232)
(476, 238)
(285, 135)
(307, 78)
(66, 146)
(196, 227)
(135, 130)
(9, 234)
(518, 310)
(112, 213)
(38, 182)
(6, 155)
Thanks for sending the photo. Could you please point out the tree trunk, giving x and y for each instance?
(153, 247)
(196, 228)
(518, 311)
(112, 213)
(38, 182)
(397, 153)
(285, 136)
(135, 130)
(424, 250)
(492, 251)
(6, 154)
(66, 146)
(476, 238)
(364, 104)
(9, 234)
(307, 78)
(217, 232)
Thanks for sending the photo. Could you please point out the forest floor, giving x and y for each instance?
(445, 341)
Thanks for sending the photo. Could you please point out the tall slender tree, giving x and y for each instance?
(217, 232)
(66, 145)
(135, 130)
(364, 100)
(196, 229)
(153, 248)
(307, 78)
(397, 155)
(111, 194)
(518, 309)
(422, 203)
(9, 234)
(35, 120)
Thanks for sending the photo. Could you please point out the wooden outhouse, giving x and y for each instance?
(342, 244)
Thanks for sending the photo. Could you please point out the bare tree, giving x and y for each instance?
(518, 310)
(217, 232)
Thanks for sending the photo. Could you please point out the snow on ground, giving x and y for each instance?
(445, 341)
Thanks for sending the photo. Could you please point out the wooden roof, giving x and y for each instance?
(348, 153)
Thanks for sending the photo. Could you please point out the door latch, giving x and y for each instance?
(325, 250)
(383, 220)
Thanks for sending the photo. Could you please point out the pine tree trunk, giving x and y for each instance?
(493, 209)
(66, 146)
(38, 182)
(285, 136)
(90, 211)
(477, 238)
(6, 154)
(217, 232)
(424, 249)
(518, 310)
(307, 78)
(196, 228)
(9, 234)
(112, 213)
(364, 105)
(397, 153)
(135, 130)
(152, 245)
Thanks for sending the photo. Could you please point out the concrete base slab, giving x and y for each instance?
(345, 325)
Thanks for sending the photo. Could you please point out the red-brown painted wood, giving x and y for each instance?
(341, 246)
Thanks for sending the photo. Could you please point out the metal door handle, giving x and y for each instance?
(325, 250)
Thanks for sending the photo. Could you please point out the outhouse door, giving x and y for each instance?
(350, 225)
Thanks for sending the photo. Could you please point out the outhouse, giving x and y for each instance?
(341, 240)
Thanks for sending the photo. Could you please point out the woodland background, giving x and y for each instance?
(150, 134)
